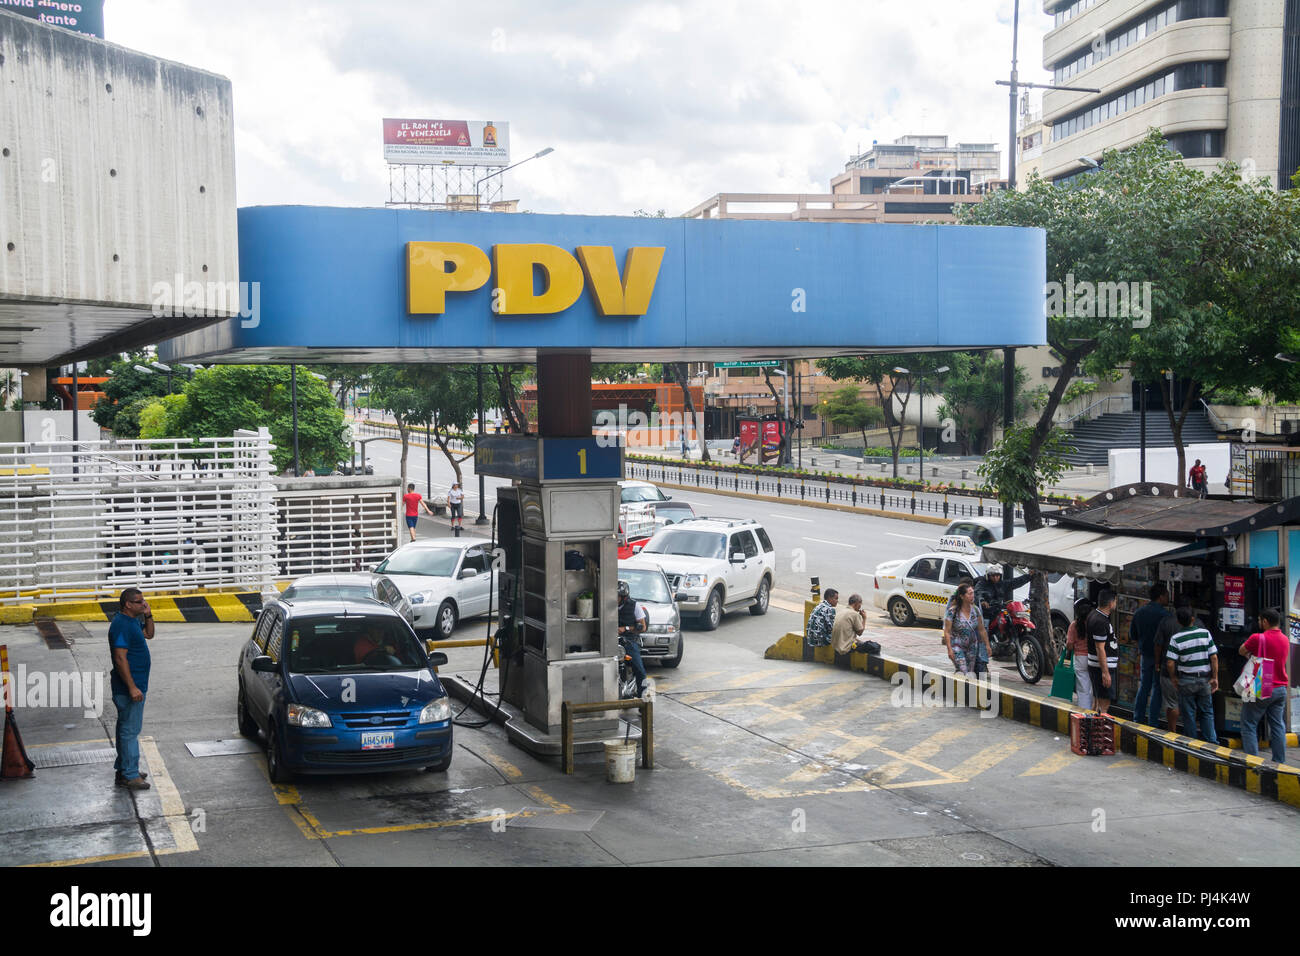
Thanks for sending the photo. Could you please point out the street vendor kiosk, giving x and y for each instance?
(1133, 536)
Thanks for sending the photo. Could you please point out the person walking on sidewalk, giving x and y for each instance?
(1272, 648)
(456, 506)
(1145, 625)
(128, 640)
(414, 501)
(964, 633)
(1193, 663)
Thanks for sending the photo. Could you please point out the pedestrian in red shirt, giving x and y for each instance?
(1272, 648)
(414, 502)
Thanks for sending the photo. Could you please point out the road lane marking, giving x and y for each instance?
(173, 807)
(913, 537)
(824, 541)
(977, 763)
(1052, 764)
(922, 751)
(865, 574)
(791, 518)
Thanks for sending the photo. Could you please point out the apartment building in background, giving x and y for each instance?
(1219, 78)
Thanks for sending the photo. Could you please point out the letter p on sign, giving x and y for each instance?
(429, 278)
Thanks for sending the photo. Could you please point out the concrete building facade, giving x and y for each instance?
(1220, 79)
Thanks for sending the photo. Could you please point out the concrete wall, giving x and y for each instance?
(1162, 464)
(118, 169)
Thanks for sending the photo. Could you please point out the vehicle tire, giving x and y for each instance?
(712, 614)
(275, 768)
(1030, 658)
(247, 725)
(900, 612)
(761, 599)
(1060, 630)
(681, 647)
(445, 621)
(441, 766)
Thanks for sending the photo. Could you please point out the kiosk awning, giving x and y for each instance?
(1093, 554)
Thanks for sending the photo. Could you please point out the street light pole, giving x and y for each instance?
(293, 402)
(505, 169)
(482, 517)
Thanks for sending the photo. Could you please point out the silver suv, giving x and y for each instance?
(719, 564)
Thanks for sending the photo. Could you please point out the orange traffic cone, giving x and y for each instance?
(14, 761)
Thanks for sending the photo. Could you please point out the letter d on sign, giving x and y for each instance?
(428, 280)
(515, 266)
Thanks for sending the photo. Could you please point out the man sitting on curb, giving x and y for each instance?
(850, 622)
(822, 620)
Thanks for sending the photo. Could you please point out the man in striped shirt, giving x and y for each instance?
(1193, 663)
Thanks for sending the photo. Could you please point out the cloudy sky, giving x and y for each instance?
(647, 105)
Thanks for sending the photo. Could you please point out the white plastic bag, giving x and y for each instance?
(1247, 685)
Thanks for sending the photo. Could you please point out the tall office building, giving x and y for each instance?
(1220, 79)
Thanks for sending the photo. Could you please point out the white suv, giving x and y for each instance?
(720, 564)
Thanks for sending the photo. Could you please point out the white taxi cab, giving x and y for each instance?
(921, 586)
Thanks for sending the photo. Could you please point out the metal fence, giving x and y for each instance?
(820, 490)
(86, 519)
(83, 520)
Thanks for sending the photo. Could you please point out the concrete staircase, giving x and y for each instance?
(1094, 439)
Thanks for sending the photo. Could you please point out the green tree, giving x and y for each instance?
(221, 399)
(161, 417)
(125, 386)
(613, 372)
(972, 397)
(343, 379)
(876, 370)
(848, 409)
(453, 398)
(1220, 257)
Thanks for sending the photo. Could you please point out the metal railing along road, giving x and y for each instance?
(821, 490)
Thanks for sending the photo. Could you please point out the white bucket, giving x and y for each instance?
(620, 762)
(585, 607)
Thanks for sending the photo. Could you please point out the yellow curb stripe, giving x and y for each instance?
(83, 860)
(228, 608)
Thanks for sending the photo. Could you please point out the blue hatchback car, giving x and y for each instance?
(342, 687)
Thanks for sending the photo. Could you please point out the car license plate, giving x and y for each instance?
(377, 740)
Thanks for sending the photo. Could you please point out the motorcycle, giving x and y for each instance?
(1012, 631)
(627, 680)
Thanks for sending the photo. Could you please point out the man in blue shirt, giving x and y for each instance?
(1145, 624)
(128, 638)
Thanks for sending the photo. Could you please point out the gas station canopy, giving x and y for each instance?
(393, 285)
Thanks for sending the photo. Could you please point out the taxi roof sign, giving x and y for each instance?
(958, 543)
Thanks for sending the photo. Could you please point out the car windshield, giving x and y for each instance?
(329, 592)
(648, 586)
(431, 562)
(327, 645)
(640, 493)
(699, 544)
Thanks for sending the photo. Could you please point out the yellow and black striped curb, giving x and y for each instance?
(824, 506)
(1208, 761)
(198, 607)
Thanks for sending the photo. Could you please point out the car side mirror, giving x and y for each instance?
(264, 665)
(467, 573)
(437, 659)
(680, 596)
(738, 558)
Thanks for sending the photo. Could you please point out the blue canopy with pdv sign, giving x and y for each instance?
(327, 284)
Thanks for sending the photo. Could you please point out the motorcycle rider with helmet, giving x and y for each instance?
(632, 620)
(992, 595)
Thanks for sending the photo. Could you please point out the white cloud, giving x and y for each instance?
(653, 105)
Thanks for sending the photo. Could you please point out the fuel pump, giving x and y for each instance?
(557, 634)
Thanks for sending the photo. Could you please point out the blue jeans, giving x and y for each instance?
(1148, 689)
(1197, 706)
(1254, 711)
(632, 647)
(130, 718)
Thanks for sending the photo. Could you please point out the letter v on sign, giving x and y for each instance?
(630, 294)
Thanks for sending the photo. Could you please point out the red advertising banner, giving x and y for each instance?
(462, 142)
(748, 440)
(1234, 591)
(772, 433)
